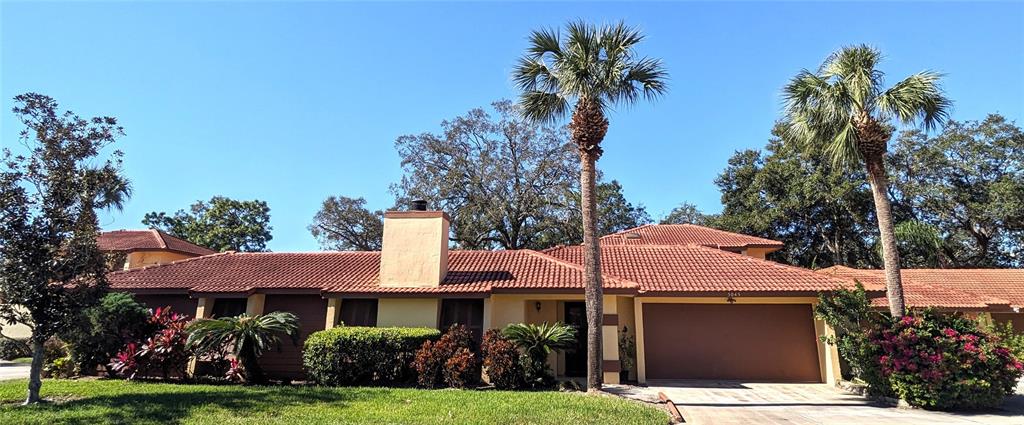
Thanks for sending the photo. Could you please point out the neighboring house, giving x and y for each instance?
(128, 249)
(696, 311)
(147, 247)
(996, 292)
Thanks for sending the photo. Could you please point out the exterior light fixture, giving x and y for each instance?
(536, 305)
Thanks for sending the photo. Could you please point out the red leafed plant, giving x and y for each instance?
(501, 361)
(235, 373)
(448, 361)
(125, 363)
(164, 352)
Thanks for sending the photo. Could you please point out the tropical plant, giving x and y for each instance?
(537, 342)
(104, 330)
(591, 69)
(844, 107)
(248, 336)
(501, 361)
(448, 361)
(164, 350)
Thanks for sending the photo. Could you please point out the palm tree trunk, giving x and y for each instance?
(35, 371)
(890, 255)
(253, 372)
(592, 267)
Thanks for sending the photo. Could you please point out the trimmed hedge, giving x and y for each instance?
(353, 355)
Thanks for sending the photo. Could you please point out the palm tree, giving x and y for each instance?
(591, 69)
(844, 107)
(537, 342)
(247, 337)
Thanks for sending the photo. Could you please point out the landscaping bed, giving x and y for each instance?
(115, 401)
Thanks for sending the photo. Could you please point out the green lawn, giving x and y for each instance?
(112, 401)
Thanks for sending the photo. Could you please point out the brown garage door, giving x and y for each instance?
(752, 342)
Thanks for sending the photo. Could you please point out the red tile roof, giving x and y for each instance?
(134, 240)
(946, 288)
(686, 234)
(470, 272)
(698, 269)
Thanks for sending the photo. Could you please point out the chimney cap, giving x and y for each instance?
(419, 205)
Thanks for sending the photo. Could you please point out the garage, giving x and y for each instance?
(748, 342)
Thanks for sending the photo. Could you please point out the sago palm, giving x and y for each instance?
(589, 70)
(245, 336)
(845, 108)
(537, 342)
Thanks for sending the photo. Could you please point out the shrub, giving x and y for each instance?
(945, 362)
(163, 352)
(501, 361)
(351, 355)
(537, 341)
(447, 361)
(57, 359)
(1007, 336)
(849, 313)
(105, 329)
(11, 348)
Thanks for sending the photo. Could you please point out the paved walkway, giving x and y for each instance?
(736, 403)
(10, 370)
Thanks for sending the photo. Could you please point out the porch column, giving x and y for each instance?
(333, 312)
(254, 304)
(828, 355)
(610, 336)
(204, 307)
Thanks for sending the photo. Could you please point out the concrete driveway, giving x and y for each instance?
(727, 402)
(10, 370)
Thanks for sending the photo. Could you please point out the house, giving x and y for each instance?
(998, 293)
(147, 247)
(700, 303)
(129, 249)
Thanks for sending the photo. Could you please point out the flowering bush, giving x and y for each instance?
(164, 352)
(945, 362)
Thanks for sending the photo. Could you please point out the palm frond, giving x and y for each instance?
(919, 96)
(542, 106)
(646, 77)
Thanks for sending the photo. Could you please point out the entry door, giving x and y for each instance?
(576, 357)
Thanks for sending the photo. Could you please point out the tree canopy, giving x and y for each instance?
(222, 224)
(507, 183)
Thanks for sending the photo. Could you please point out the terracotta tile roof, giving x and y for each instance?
(946, 288)
(686, 234)
(695, 269)
(134, 240)
(470, 272)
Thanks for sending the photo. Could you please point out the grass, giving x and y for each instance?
(22, 360)
(114, 401)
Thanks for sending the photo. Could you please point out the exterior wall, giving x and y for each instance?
(411, 312)
(758, 252)
(311, 309)
(136, 259)
(1016, 319)
(179, 303)
(415, 249)
(503, 310)
(828, 356)
(16, 330)
(627, 326)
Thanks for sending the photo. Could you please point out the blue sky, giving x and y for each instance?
(291, 102)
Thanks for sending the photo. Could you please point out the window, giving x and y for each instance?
(469, 313)
(228, 307)
(357, 312)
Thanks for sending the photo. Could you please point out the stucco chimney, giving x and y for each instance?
(415, 249)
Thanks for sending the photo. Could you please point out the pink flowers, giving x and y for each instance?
(949, 332)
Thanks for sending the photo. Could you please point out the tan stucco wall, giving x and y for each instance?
(415, 249)
(758, 252)
(410, 312)
(138, 259)
(828, 356)
(627, 321)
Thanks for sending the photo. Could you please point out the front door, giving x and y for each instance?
(576, 357)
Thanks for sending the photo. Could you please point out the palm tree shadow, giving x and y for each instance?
(175, 408)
